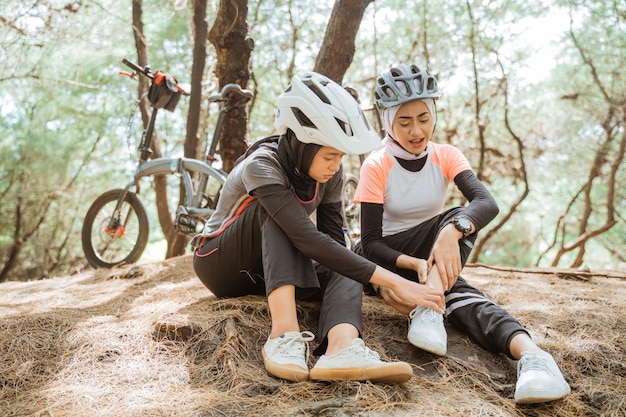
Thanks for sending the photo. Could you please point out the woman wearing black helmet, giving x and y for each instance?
(402, 191)
(261, 239)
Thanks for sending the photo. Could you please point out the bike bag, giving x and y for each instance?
(163, 92)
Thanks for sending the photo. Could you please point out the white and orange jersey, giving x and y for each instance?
(409, 198)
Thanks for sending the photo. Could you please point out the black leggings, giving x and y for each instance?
(467, 308)
(253, 256)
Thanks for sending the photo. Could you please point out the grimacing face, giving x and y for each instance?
(413, 126)
(325, 164)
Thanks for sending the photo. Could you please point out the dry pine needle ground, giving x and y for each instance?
(150, 340)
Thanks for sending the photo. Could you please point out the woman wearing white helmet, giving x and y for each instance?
(261, 239)
(402, 191)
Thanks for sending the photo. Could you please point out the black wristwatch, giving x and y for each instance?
(463, 225)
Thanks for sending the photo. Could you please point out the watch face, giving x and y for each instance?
(462, 224)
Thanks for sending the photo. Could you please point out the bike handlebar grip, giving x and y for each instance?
(137, 68)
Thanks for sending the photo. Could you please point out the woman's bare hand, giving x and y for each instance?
(414, 294)
(415, 264)
(408, 293)
(392, 299)
(446, 256)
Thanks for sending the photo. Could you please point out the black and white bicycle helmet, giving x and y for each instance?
(320, 111)
(404, 83)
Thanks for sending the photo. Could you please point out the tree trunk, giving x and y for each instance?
(16, 245)
(193, 148)
(337, 50)
(160, 181)
(177, 243)
(233, 45)
(21, 236)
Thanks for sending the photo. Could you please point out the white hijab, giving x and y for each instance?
(388, 114)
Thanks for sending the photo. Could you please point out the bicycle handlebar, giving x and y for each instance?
(231, 93)
(143, 70)
(146, 72)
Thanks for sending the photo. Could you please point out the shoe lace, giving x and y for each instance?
(429, 314)
(531, 363)
(367, 353)
(295, 346)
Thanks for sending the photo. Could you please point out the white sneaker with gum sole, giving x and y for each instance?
(285, 356)
(359, 363)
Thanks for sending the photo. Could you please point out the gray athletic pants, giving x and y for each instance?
(254, 256)
(467, 308)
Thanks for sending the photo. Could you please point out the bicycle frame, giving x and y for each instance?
(182, 166)
(116, 227)
(111, 237)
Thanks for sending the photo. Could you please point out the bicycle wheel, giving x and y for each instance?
(109, 243)
(352, 211)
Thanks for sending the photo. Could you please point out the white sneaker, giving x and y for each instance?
(427, 332)
(539, 379)
(359, 363)
(286, 355)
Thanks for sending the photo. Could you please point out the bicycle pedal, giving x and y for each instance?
(183, 223)
(186, 230)
(186, 221)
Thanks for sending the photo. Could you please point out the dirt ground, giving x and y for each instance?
(150, 340)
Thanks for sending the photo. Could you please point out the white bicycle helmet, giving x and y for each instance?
(320, 111)
(404, 83)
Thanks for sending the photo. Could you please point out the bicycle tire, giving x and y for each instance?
(106, 248)
(351, 211)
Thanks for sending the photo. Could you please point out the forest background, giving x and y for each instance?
(533, 92)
